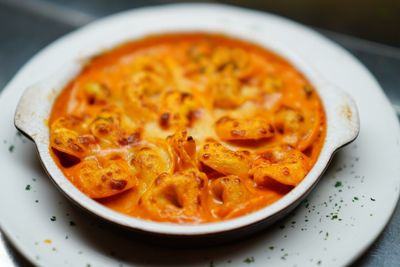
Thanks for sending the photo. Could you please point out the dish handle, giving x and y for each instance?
(33, 109)
(343, 118)
(27, 117)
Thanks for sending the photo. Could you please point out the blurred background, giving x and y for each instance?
(369, 29)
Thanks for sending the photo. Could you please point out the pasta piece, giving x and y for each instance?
(243, 129)
(179, 110)
(142, 91)
(183, 149)
(150, 161)
(97, 93)
(103, 180)
(71, 122)
(223, 160)
(113, 129)
(272, 85)
(226, 92)
(228, 193)
(106, 128)
(176, 197)
(67, 144)
(67, 141)
(232, 61)
(197, 60)
(298, 128)
(283, 164)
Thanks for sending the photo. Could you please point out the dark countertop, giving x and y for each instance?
(36, 23)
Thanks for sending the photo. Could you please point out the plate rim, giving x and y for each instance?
(6, 91)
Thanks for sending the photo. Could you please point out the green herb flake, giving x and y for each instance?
(72, 223)
(338, 184)
(249, 260)
(11, 148)
(271, 247)
(53, 218)
(326, 236)
(372, 199)
(28, 187)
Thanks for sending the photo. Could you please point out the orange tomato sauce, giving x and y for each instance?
(187, 128)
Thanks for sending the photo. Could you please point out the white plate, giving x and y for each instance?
(342, 217)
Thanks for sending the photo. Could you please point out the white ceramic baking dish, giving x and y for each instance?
(34, 108)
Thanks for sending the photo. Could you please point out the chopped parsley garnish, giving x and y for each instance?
(28, 187)
(271, 247)
(372, 199)
(249, 260)
(53, 218)
(326, 236)
(338, 184)
(72, 223)
(11, 148)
